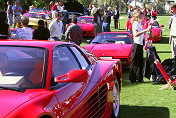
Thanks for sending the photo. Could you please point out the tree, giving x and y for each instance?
(85, 2)
(3, 5)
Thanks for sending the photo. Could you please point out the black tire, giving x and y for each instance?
(116, 99)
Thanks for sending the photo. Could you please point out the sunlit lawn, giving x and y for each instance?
(145, 100)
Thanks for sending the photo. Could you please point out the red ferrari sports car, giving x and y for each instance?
(157, 31)
(42, 79)
(87, 25)
(114, 45)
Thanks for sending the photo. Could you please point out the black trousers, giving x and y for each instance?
(116, 23)
(97, 28)
(136, 67)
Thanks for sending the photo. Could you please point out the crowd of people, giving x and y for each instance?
(58, 25)
(140, 24)
(102, 22)
(54, 31)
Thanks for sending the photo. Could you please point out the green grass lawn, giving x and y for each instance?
(145, 100)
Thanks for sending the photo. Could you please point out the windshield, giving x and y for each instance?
(38, 10)
(118, 38)
(21, 67)
(34, 15)
(85, 20)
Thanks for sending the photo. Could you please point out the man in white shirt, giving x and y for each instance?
(55, 28)
(24, 33)
(173, 31)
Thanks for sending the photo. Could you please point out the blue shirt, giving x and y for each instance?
(18, 11)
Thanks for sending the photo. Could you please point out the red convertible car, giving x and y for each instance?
(42, 79)
(157, 31)
(87, 25)
(114, 45)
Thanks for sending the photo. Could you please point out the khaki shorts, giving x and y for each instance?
(16, 19)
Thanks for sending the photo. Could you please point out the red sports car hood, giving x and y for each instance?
(10, 100)
(120, 50)
(86, 27)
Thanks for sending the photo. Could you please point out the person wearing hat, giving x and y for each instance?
(55, 28)
(59, 6)
(130, 12)
(54, 9)
(17, 10)
(41, 33)
(4, 30)
(97, 22)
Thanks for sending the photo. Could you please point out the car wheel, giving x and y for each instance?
(116, 99)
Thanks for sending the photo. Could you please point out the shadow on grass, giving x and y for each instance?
(127, 82)
(143, 112)
(164, 40)
(164, 52)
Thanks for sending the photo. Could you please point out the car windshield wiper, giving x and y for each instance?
(12, 88)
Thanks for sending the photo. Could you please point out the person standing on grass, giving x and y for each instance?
(65, 17)
(116, 17)
(136, 66)
(9, 13)
(41, 33)
(97, 22)
(74, 33)
(17, 10)
(130, 11)
(129, 25)
(55, 28)
(173, 31)
(106, 22)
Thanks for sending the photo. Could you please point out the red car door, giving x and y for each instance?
(64, 60)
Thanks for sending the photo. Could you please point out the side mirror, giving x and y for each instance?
(74, 76)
